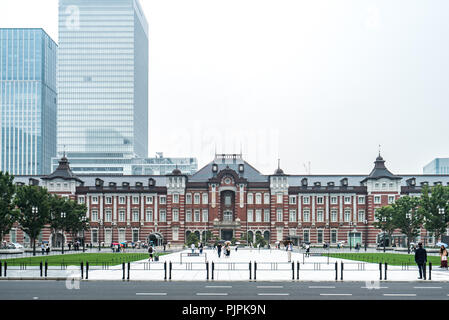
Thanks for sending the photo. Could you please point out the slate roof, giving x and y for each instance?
(63, 171)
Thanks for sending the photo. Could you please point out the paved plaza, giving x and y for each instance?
(272, 265)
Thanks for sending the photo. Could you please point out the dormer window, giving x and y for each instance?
(241, 168)
(214, 168)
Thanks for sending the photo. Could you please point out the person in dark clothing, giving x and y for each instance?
(421, 259)
(219, 250)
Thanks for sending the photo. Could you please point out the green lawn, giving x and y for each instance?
(94, 259)
(394, 259)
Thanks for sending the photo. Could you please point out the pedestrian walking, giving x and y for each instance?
(219, 250)
(150, 252)
(289, 252)
(193, 247)
(307, 250)
(201, 247)
(43, 248)
(228, 251)
(70, 245)
(421, 259)
(443, 254)
(47, 249)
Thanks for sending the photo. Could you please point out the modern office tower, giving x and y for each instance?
(102, 80)
(437, 166)
(27, 101)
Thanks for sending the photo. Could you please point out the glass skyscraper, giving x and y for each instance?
(27, 101)
(102, 80)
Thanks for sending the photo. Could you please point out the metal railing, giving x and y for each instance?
(231, 266)
(316, 266)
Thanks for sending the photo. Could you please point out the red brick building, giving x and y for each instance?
(231, 199)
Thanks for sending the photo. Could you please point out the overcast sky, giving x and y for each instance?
(321, 81)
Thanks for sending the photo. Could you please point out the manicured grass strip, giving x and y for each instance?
(393, 259)
(95, 259)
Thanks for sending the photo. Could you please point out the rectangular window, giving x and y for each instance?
(121, 235)
(121, 215)
(135, 199)
(306, 236)
(80, 200)
(320, 236)
(94, 236)
(197, 198)
(250, 215)
(361, 215)
(108, 216)
(135, 215)
(94, 200)
(250, 198)
(333, 215)
(347, 215)
(135, 235)
(188, 198)
(175, 234)
(197, 216)
(306, 200)
(121, 200)
(175, 198)
(258, 198)
(266, 198)
(292, 200)
(175, 214)
(279, 197)
(205, 215)
(333, 236)
(258, 215)
(162, 199)
(279, 215)
(162, 215)
(390, 199)
(319, 200)
(377, 199)
(292, 216)
(333, 200)
(94, 215)
(149, 199)
(149, 214)
(189, 215)
(320, 216)
(361, 199)
(347, 200)
(306, 215)
(108, 200)
(13, 235)
(266, 215)
(205, 198)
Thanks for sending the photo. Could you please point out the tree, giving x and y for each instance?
(435, 209)
(260, 241)
(8, 214)
(76, 220)
(384, 221)
(408, 217)
(192, 238)
(59, 210)
(33, 205)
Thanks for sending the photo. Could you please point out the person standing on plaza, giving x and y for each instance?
(150, 252)
(43, 248)
(219, 250)
(421, 259)
(443, 255)
(289, 252)
(201, 247)
(193, 247)
(307, 250)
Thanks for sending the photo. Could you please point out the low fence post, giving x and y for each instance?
(255, 269)
(336, 271)
(207, 270)
(123, 269)
(293, 271)
(40, 268)
(129, 269)
(386, 267)
(170, 268)
(430, 270)
(213, 267)
(82, 269)
(1, 267)
(297, 270)
(342, 271)
(87, 269)
(380, 270)
(46, 268)
(165, 270)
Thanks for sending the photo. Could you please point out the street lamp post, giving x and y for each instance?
(63, 215)
(350, 236)
(366, 234)
(35, 210)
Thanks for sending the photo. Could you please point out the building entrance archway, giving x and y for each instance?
(155, 239)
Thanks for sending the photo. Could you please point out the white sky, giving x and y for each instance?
(322, 81)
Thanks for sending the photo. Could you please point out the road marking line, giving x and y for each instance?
(335, 294)
(428, 287)
(273, 294)
(400, 294)
(211, 294)
(150, 294)
(225, 287)
(374, 288)
(321, 287)
(269, 287)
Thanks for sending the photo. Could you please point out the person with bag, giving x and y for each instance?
(151, 253)
(421, 259)
(443, 255)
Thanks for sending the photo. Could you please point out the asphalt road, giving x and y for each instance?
(134, 290)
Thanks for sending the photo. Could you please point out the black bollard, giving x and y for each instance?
(46, 268)
(41, 268)
(341, 271)
(386, 267)
(255, 270)
(336, 271)
(82, 270)
(213, 268)
(170, 268)
(1, 266)
(207, 270)
(165, 270)
(129, 269)
(87, 269)
(297, 270)
(380, 270)
(430, 270)
(293, 271)
(123, 269)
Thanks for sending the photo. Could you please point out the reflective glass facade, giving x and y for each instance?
(102, 78)
(27, 101)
